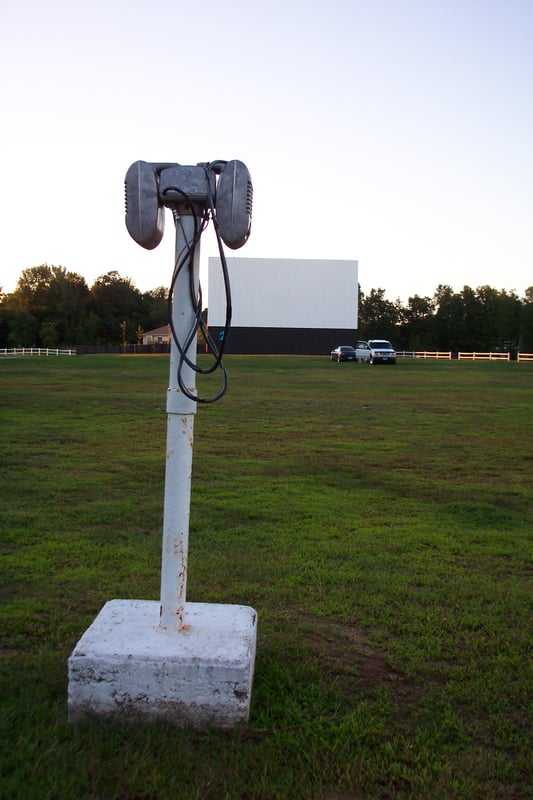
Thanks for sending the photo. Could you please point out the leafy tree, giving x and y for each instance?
(155, 308)
(5, 319)
(70, 298)
(378, 317)
(417, 323)
(48, 334)
(509, 321)
(33, 290)
(499, 319)
(88, 331)
(474, 338)
(487, 312)
(449, 325)
(23, 329)
(526, 328)
(55, 298)
(115, 300)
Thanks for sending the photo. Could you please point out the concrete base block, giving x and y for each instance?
(127, 668)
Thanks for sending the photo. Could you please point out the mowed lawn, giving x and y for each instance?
(379, 519)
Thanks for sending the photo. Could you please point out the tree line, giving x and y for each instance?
(481, 320)
(52, 307)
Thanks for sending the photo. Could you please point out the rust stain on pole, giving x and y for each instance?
(181, 555)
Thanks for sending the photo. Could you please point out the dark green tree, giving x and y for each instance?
(499, 313)
(526, 320)
(115, 300)
(20, 328)
(417, 324)
(449, 324)
(69, 304)
(474, 334)
(55, 298)
(48, 334)
(155, 312)
(378, 317)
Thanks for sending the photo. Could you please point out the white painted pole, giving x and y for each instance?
(180, 428)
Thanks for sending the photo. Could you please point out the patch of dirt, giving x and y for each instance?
(348, 648)
(354, 662)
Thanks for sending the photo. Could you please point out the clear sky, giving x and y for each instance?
(398, 133)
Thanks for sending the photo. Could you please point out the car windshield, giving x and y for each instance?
(346, 349)
(381, 344)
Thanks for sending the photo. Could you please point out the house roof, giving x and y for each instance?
(163, 331)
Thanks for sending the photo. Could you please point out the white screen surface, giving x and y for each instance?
(285, 293)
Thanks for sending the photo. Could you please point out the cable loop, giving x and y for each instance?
(185, 260)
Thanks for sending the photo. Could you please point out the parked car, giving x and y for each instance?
(381, 352)
(344, 352)
(363, 352)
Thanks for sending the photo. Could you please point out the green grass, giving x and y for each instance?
(379, 520)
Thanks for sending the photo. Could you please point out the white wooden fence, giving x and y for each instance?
(11, 352)
(462, 356)
(484, 356)
(424, 354)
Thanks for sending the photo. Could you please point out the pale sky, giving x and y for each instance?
(398, 133)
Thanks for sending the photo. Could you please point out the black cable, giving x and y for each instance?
(185, 260)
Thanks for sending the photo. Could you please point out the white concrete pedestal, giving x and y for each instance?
(126, 667)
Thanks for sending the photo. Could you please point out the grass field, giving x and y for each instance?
(379, 520)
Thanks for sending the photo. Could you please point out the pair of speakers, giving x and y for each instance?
(224, 186)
